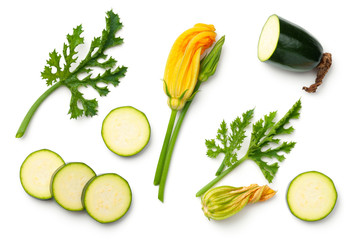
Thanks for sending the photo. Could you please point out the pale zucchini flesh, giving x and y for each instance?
(126, 131)
(68, 183)
(36, 172)
(269, 38)
(311, 196)
(107, 197)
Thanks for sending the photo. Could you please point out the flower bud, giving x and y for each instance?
(223, 202)
(210, 62)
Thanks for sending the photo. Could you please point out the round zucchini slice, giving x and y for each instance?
(107, 197)
(68, 183)
(311, 196)
(126, 131)
(36, 172)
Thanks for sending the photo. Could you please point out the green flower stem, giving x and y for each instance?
(172, 145)
(161, 162)
(22, 129)
(220, 176)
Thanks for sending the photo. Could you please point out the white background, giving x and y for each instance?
(32, 29)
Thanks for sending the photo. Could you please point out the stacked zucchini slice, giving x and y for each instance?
(75, 186)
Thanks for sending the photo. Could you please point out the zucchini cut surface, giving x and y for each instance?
(68, 183)
(126, 131)
(311, 196)
(269, 38)
(36, 172)
(107, 197)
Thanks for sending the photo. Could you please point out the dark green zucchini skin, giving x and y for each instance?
(297, 50)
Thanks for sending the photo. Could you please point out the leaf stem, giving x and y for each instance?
(161, 162)
(220, 176)
(22, 129)
(220, 169)
(172, 145)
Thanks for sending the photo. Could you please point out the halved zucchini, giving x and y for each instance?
(126, 131)
(68, 183)
(107, 197)
(36, 172)
(289, 46)
(311, 196)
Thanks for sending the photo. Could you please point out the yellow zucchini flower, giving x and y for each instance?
(223, 202)
(182, 67)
